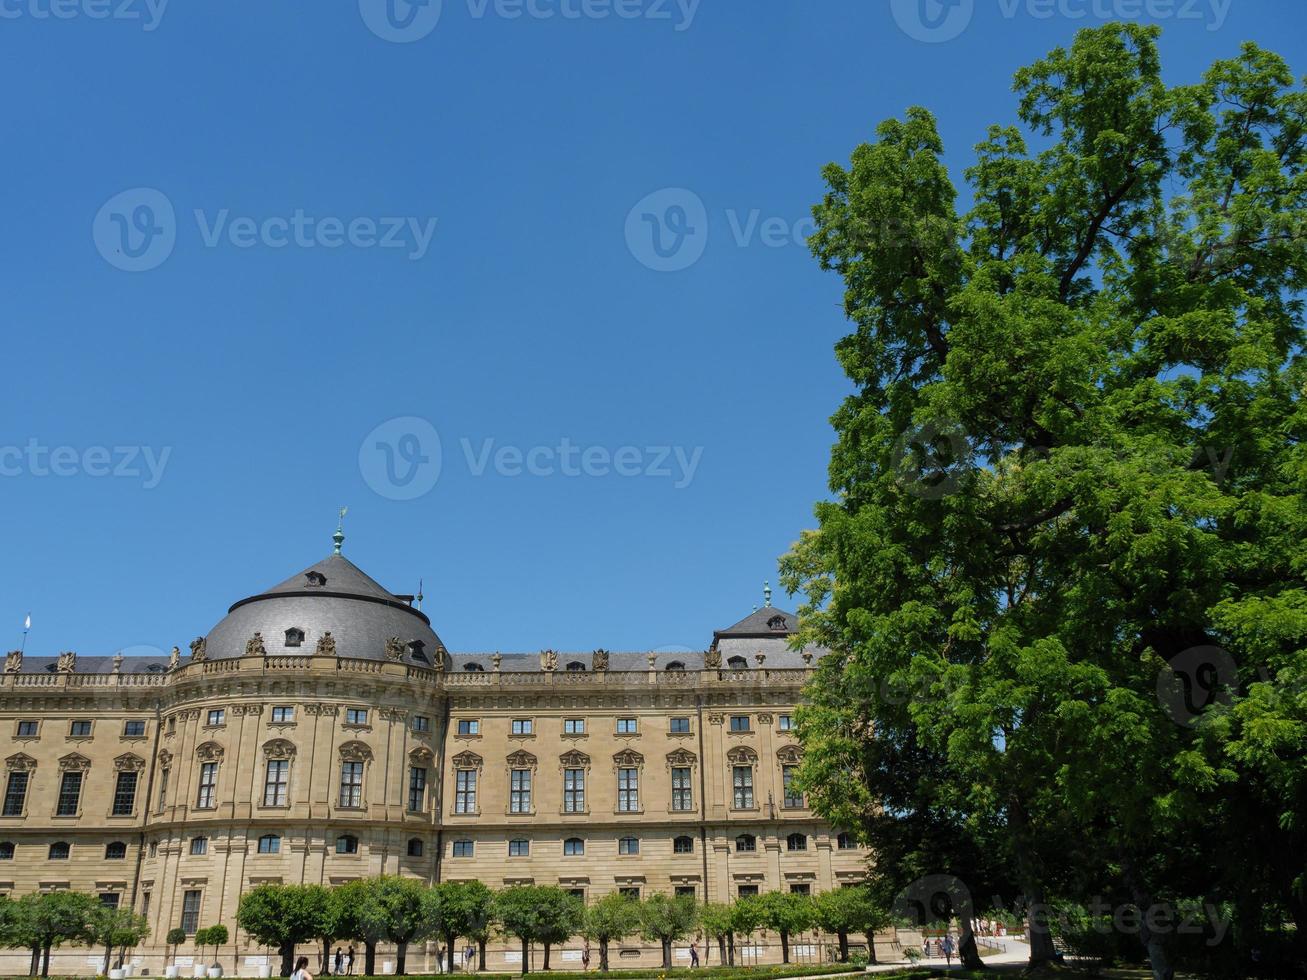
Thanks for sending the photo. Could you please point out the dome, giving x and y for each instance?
(334, 596)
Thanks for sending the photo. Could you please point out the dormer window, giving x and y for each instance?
(576, 667)
(473, 668)
(776, 623)
(315, 580)
(294, 637)
(676, 665)
(154, 668)
(737, 663)
(417, 650)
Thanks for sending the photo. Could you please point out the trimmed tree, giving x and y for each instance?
(364, 918)
(746, 918)
(612, 917)
(217, 937)
(787, 913)
(49, 920)
(665, 919)
(281, 916)
(845, 910)
(517, 909)
(459, 909)
(322, 906)
(718, 922)
(400, 900)
(174, 938)
(560, 918)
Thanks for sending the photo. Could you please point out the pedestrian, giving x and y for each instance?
(694, 954)
(585, 956)
(946, 947)
(340, 961)
(349, 961)
(925, 947)
(301, 971)
(469, 952)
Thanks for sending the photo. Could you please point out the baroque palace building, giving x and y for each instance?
(322, 732)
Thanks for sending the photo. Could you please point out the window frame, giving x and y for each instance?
(628, 789)
(276, 782)
(124, 796)
(206, 793)
(465, 791)
(68, 802)
(268, 844)
(352, 772)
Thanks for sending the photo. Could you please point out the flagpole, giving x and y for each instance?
(27, 625)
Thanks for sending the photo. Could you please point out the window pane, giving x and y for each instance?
(417, 788)
(204, 799)
(351, 784)
(124, 794)
(16, 794)
(70, 793)
(276, 782)
(574, 791)
(465, 791)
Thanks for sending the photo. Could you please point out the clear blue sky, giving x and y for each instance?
(531, 315)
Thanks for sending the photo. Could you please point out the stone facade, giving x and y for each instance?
(173, 786)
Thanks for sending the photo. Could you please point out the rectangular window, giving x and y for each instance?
(628, 845)
(680, 726)
(172, 725)
(682, 795)
(199, 845)
(154, 848)
(145, 904)
(685, 891)
(282, 714)
(519, 791)
(462, 848)
(269, 844)
(793, 798)
(351, 784)
(109, 900)
(574, 791)
(421, 724)
(519, 848)
(124, 794)
(739, 723)
(625, 726)
(630, 891)
(465, 791)
(27, 729)
(747, 891)
(742, 780)
(205, 799)
(573, 726)
(521, 726)
(80, 729)
(628, 790)
(785, 723)
(217, 716)
(356, 716)
(70, 794)
(417, 788)
(16, 794)
(276, 782)
(469, 726)
(163, 787)
(190, 912)
(800, 889)
(133, 729)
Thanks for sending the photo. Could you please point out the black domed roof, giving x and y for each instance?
(334, 596)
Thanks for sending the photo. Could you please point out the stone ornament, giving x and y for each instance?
(74, 762)
(278, 748)
(66, 663)
(628, 758)
(20, 762)
(326, 645)
(548, 660)
(761, 658)
(175, 658)
(355, 752)
(521, 760)
(209, 752)
(807, 658)
(254, 646)
(467, 760)
(199, 652)
(495, 660)
(681, 758)
(716, 718)
(128, 762)
(421, 756)
(395, 649)
(599, 660)
(789, 755)
(713, 659)
(573, 760)
(440, 658)
(13, 661)
(764, 718)
(742, 754)
(117, 663)
(165, 759)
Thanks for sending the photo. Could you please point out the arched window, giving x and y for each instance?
(347, 844)
(415, 847)
(576, 667)
(796, 842)
(115, 851)
(746, 842)
(675, 665)
(59, 851)
(269, 844)
(628, 845)
(6, 851)
(683, 845)
(294, 637)
(737, 663)
(573, 847)
(844, 842)
(473, 668)
(418, 651)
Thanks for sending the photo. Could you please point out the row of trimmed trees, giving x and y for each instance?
(43, 921)
(402, 911)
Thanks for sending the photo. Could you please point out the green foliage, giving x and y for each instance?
(175, 936)
(787, 912)
(664, 918)
(611, 917)
(1074, 458)
(460, 908)
(848, 910)
(279, 915)
(717, 919)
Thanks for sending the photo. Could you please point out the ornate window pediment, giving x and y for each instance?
(165, 759)
(574, 760)
(74, 762)
(279, 748)
(628, 758)
(209, 752)
(421, 756)
(128, 762)
(20, 762)
(742, 755)
(355, 752)
(521, 760)
(789, 755)
(467, 760)
(681, 758)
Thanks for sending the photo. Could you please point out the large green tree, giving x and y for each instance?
(281, 916)
(852, 909)
(664, 919)
(787, 913)
(1063, 575)
(459, 909)
(612, 917)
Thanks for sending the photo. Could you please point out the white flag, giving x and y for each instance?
(27, 623)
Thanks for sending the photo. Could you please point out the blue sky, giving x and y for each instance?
(411, 267)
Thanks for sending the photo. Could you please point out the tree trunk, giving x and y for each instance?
(785, 946)
(843, 937)
(1041, 940)
(287, 959)
(481, 954)
(401, 958)
(545, 963)
(667, 954)
(35, 966)
(324, 964)
(1158, 961)
(526, 961)
(721, 949)
(603, 956)
(730, 948)
(871, 946)
(968, 954)
(370, 959)
(45, 960)
(450, 943)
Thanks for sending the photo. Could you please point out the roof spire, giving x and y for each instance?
(766, 594)
(339, 536)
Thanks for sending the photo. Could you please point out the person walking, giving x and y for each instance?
(349, 961)
(469, 953)
(694, 955)
(585, 956)
(301, 971)
(339, 962)
(946, 947)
